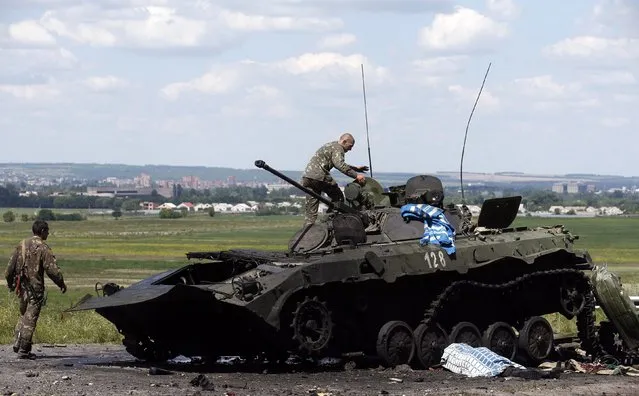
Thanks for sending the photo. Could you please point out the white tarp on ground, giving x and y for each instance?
(475, 362)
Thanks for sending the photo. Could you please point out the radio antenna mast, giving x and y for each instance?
(370, 162)
(461, 166)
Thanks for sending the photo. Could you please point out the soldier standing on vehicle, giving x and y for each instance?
(317, 173)
(25, 275)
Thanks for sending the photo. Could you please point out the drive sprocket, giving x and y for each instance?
(312, 326)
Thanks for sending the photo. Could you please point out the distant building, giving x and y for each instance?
(191, 182)
(149, 205)
(560, 188)
(143, 180)
(571, 188)
(127, 192)
(575, 188)
(186, 205)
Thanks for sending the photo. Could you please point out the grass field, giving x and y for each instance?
(124, 251)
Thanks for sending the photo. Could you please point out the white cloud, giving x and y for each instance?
(461, 30)
(322, 70)
(31, 92)
(29, 33)
(307, 7)
(467, 97)
(503, 8)
(21, 60)
(544, 87)
(337, 41)
(217, 81)
(148, 27)
(329, 62)
(105, 83)
(599, 47)
(333, 71)
(257, 23)
(198, 24)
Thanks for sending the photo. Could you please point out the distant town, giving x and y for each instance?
(111, 187)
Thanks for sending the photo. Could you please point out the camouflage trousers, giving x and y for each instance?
(29, 314)
(312, 203)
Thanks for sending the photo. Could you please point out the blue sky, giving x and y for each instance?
(225, 82)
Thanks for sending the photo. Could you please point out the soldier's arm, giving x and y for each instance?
(10, 273)
(50, 265)
(340, 165)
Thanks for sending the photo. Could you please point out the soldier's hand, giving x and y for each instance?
(362, 168)
(360, 179)
(63, 289)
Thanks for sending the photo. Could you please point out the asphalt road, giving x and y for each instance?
(109, 370)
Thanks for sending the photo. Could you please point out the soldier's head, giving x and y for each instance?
(40, 228)
(347, 141)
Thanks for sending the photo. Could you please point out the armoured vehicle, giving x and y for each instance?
(375, 277)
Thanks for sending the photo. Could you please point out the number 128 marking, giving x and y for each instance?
(435, 259)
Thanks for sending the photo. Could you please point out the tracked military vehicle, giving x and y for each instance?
(370, 279)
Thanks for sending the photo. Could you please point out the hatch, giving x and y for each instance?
(499, 212)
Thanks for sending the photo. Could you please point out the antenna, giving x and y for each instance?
(370, 162)
(461, 166)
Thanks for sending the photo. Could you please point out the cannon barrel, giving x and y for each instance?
(334, 205)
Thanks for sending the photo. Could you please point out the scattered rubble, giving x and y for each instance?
(100, 369)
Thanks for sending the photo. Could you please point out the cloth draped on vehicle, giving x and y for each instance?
(437, 229)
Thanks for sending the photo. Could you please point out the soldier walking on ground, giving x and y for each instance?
(317, 173)
(25, 275)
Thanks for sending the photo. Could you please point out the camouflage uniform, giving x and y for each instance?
(317, 177)
(25, 274)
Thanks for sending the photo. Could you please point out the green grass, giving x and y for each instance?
(102, 249)
(125, 251)
(56, 326)
(608, 239)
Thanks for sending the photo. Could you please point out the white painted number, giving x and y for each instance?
(435, 260)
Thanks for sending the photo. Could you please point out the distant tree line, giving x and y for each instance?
(9, 197)
(43, 214)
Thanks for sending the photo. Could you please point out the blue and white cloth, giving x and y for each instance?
(437, 229)
(475, 362)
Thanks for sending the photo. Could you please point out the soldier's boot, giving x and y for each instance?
(25, 351)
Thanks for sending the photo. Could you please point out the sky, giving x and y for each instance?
(226, 82)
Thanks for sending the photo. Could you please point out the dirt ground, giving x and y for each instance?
(109, 370)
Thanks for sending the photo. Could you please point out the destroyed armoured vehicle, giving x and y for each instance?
(369, 279)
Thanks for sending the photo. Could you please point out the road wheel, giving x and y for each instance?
(395, 344)
(430, 342)
(466, 333)
(500, 338)
(536, 339)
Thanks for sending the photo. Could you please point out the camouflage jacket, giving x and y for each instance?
(327, 157)
(30, 260)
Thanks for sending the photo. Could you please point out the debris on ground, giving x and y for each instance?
(203, 382)
(159, 371)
